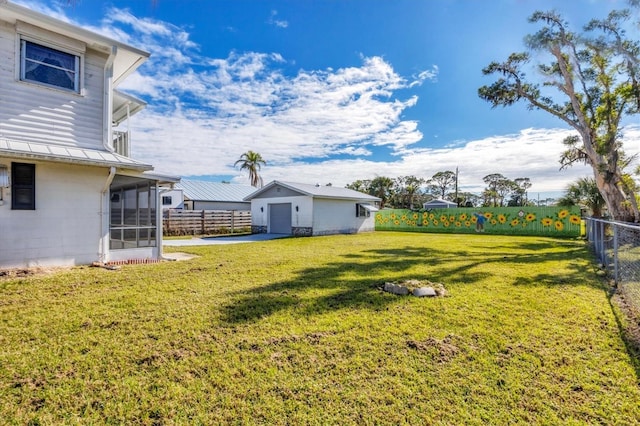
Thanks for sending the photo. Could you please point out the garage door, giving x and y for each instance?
(280, 218)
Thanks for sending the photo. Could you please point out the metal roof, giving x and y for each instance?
(439, 202)
(68, 154)
(318, 191)
(198, 190)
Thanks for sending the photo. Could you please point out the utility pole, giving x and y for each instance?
(457, 200)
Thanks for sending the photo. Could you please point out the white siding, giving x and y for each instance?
(65, 228)
(33, 113)
(339, 217)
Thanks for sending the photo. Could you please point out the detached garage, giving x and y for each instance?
(305, 210)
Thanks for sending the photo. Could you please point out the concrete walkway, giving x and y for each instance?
(222, 240)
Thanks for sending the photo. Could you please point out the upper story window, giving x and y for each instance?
(49, 66)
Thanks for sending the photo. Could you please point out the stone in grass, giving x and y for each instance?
(424, 292)
(396, 289)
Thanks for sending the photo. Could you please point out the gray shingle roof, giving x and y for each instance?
(198, 190)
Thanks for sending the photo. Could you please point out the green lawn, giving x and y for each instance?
(297, 331)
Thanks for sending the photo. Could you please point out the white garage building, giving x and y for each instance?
(306, 210)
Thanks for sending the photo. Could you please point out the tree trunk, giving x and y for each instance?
(615, 200)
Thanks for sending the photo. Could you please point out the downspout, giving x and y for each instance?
(107, 114)
(105, 189)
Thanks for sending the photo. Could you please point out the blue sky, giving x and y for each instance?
(333, 91)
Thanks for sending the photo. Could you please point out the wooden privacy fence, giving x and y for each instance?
(205, 222)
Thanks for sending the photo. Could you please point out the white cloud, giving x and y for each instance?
(204, 112)
(277, 22)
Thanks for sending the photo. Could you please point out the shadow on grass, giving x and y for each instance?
(355, 281)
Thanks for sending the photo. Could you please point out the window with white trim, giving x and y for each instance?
(49, 67)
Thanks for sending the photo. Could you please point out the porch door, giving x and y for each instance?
(280, 218)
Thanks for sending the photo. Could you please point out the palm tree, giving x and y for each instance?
(584, 192)
(252, 161)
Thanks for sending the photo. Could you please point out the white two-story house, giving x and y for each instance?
(69, 192)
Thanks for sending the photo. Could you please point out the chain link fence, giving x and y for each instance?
(617, 248)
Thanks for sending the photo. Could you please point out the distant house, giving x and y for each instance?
(306, 210)
(69, 191)
(203, 195)
(439, 204)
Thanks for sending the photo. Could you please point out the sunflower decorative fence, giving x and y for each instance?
(617, 248)
(547, 221)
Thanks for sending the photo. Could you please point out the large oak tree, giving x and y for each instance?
(590, 82)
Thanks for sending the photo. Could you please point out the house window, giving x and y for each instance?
(133, 216)
(364, 210)
(50, 67)
(23, 186)
(166, 200)
(361, 211)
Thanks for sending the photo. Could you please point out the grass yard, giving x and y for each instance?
(297, 331)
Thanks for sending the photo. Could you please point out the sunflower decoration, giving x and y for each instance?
(458, 224)
(463, 217)
(502, 219)
(443, 218)
(494, 222)
(530, 217)
(563, 213)
(415, 216)
(574, 219)
(392, 216)
(452, 218)
(515, 222)
(397, 222)
(488, 215)
(432, 216)
(559, 225)
(547, 221)
(467, 223)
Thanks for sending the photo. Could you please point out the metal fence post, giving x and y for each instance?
(615, 255)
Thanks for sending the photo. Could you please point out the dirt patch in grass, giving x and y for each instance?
(631, 326)
(445, 349)
(28, 272)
